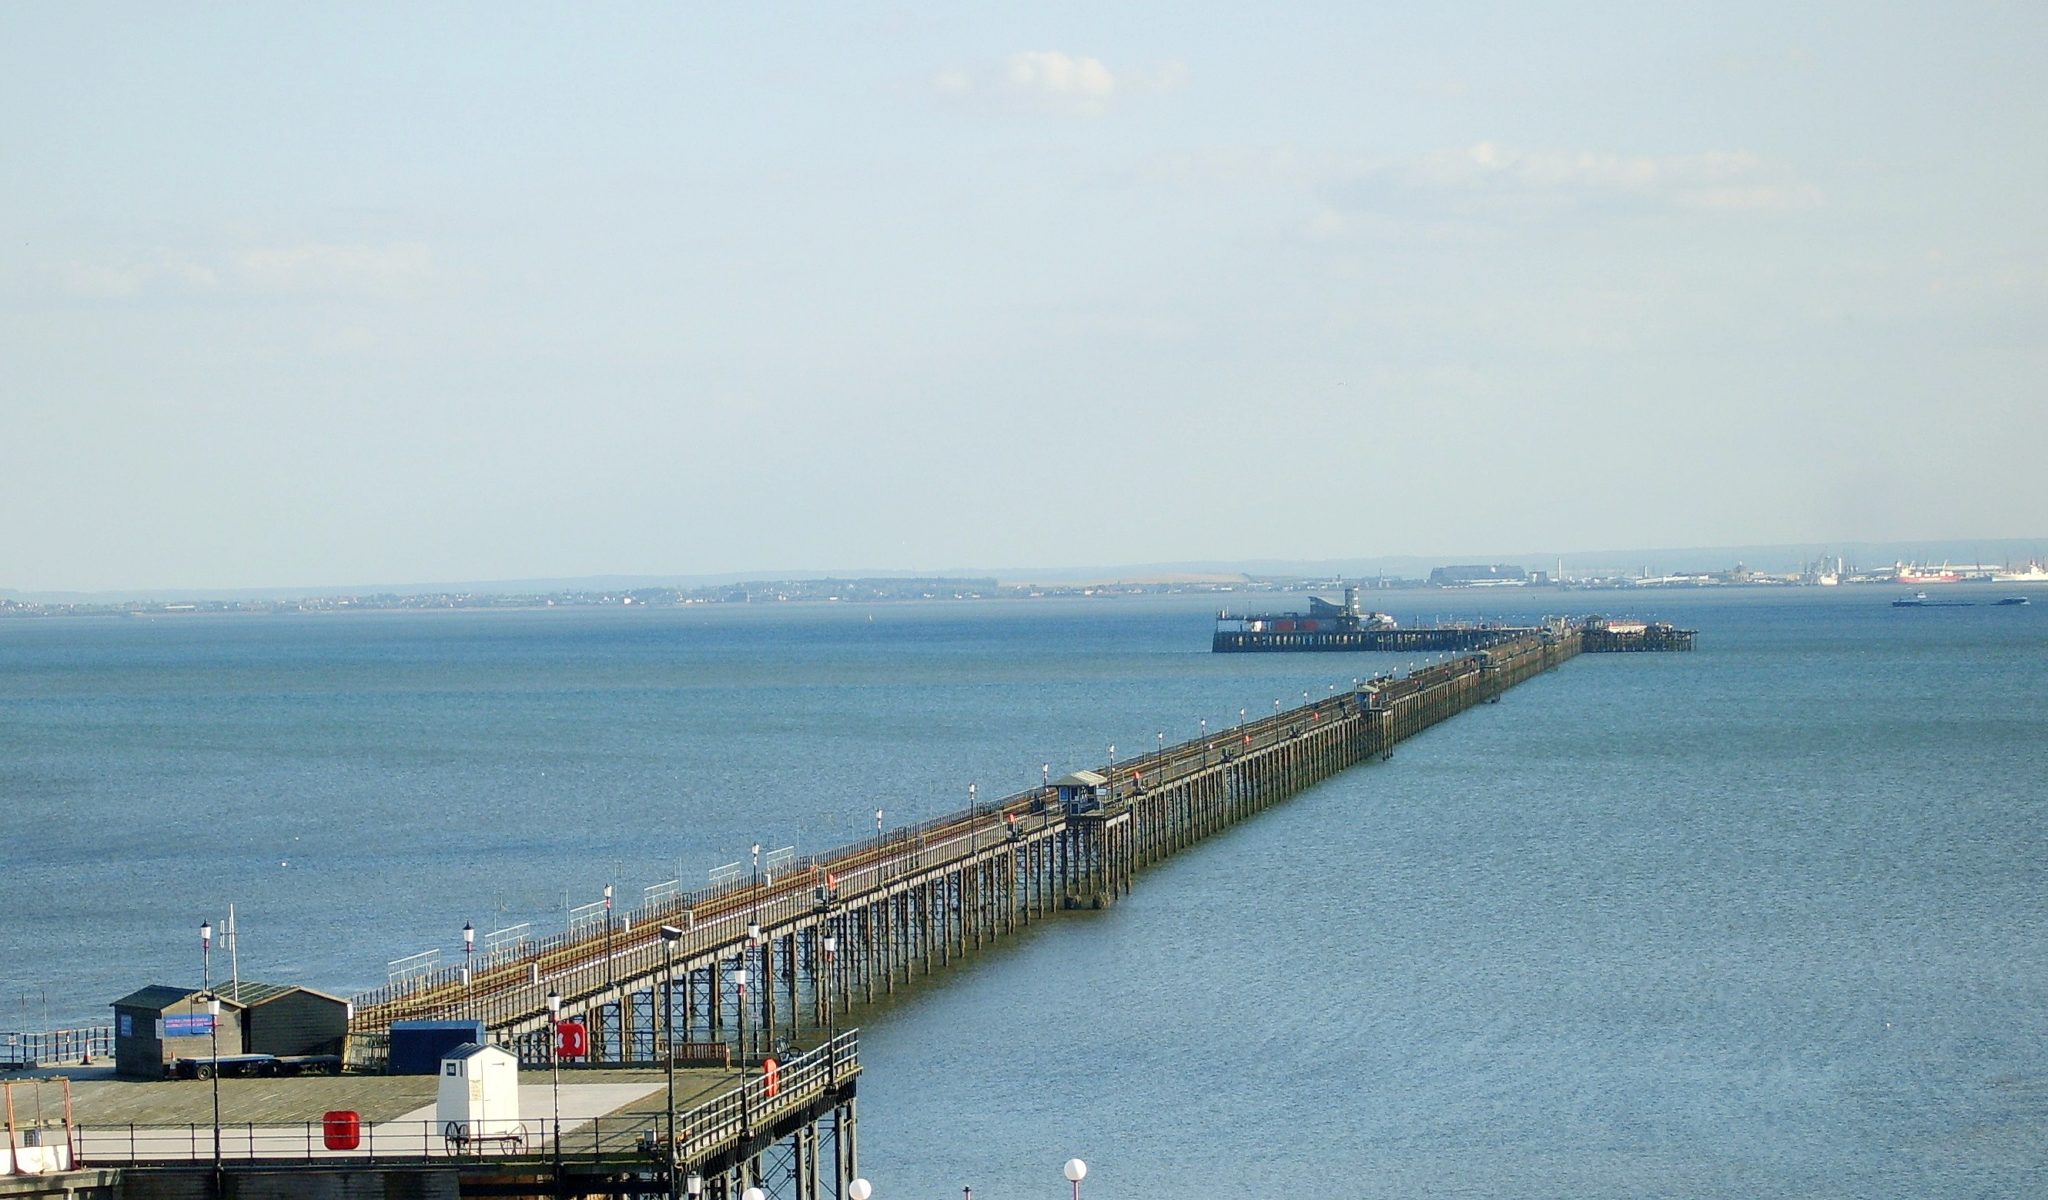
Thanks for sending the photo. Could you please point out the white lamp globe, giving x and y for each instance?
(753, 1193)
(859, 1189)
(1075, 1170)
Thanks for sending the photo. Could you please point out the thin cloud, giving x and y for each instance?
(307, 268)
(1713, 179)
(1053, 83)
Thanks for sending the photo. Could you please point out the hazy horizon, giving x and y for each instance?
(489, 292)
(1778, 558)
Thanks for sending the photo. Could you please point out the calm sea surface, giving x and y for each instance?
(1763, 920)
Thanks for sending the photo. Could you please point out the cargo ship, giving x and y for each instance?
(1915, 575)
(2033, 572)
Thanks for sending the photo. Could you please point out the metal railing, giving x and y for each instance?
(592, 958)
(52, 1047)
(702, 1130)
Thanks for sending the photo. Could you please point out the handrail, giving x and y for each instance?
(701, 1130)
(586, 962)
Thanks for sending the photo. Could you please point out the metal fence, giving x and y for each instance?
(55, 1047)
(701, 1130)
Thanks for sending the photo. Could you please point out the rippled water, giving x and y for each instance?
(1761, 920)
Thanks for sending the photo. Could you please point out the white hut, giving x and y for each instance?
(479, 1092)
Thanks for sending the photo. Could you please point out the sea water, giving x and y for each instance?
(1761, 920)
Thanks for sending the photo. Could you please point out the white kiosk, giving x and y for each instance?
(479, 1100)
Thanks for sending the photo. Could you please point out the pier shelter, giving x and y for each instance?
(160, 1023)
(290, 1020)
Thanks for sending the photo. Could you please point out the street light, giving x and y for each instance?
(753, 1193)
(468, 953)
(693, 1187)
(739, 980)
(1074, 1171)
(831, 1003)
(1112, 772)
(555, 1060)
(213, 1028)
(608, 966)
(670, 935)
(859, 1189)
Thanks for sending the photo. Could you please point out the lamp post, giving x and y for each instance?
(1205, 741)
(608, 966)
(213, 1028)
(468, 955)
(670, 935)
(831, 1003)
(555, 1061)
(739, 980)
(1112, 772)
(972, 813)
(859, 1189)
(878, 846)
(693, 1187)
(1074, 1171)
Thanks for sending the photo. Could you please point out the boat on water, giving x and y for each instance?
(1913, 573)
(2014, 600)
(2033, 572)
(1920, 600)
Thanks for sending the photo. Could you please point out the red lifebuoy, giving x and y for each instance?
(771, 1078)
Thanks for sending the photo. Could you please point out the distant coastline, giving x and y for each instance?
(892, 590)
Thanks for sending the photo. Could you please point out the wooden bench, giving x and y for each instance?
(703, 1054)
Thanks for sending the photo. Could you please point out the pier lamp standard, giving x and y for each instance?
(878, 846)
(693, 1187)
(468, 955)
(831, 1004)
(1205, 741)
(206, 954)
(739, 980)
(670, 935)
(859, 1189)
(1112, 772)
(973, 811)
(608, 967)
(213, 1029)
(555, 1061)
(1075, 1170)
(1045, 776)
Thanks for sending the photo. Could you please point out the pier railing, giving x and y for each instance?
(702, 1130)
(510, 994)
(51, 1047)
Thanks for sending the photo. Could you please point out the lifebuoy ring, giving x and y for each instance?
(771, 1078)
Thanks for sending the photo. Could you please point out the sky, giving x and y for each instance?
(293, 295)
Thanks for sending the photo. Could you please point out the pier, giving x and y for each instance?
(749, 979)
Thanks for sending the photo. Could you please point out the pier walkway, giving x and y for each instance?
(757, 967)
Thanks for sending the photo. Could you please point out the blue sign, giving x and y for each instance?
(191, 1025)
